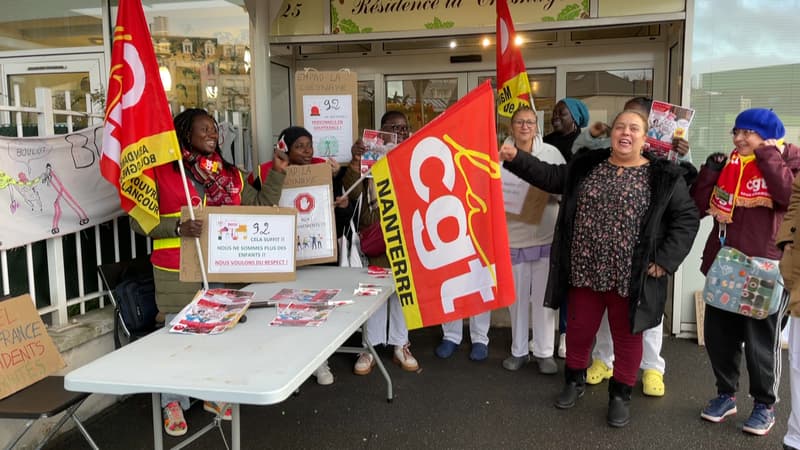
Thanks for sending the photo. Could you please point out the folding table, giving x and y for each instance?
(252, 363)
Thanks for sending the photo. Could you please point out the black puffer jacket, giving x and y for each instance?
(666, 236)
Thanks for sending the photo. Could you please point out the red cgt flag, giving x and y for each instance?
(513, 87)
(441, 202)
(138, 133)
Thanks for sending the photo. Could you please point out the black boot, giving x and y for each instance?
(619, 400)
(573, 388)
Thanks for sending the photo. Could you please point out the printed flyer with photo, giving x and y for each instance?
(378, 144)
(301, 314)
(666, 122)
(212, 312)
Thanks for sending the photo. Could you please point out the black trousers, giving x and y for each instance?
(724, 334)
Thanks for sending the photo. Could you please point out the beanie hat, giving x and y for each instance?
(289, 135)
(761, 120)
(579, 111)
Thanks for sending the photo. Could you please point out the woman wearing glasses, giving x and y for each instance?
(747, 196)
(530, 253)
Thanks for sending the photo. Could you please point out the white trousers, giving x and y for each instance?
(396, 333)
(528, 310)
(478, 329)
(792, 437)
(652, 339)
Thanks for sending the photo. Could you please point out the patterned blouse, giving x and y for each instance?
(612, 202)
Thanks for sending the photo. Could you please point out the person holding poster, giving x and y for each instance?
(626, 221)
(295, 147)
(395, 122)
(530, 258)
(212, 182)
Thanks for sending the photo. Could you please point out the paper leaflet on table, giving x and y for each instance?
(212, 312)
(302, 314)
(377, 143)
(666, 122)
(288, 295)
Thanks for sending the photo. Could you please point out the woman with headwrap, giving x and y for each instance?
(569, 116)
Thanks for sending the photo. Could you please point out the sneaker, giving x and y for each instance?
(653, 383)
(761, 420)
(562, 346)
(479, 352)
(531, 345)
(174, 423)
(364, 364)
(216, 408)
(445, 349)
(719, 408)
(323, 374)
(515, 362)
(547, 366)
(598, 372)
(403, 357)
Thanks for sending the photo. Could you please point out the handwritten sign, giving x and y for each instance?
(27, 354)
(327, 107)
(309, 190)
(242, 244)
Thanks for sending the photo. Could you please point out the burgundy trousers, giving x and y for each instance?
(584, 312)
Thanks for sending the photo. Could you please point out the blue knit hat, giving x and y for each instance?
(761, 120)
(579, 111)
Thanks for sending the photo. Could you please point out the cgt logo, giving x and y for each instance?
(304, 203)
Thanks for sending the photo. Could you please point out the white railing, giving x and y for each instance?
(57, 305)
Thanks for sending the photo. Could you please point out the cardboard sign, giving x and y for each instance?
(27, 354)
(309, 190)
(327, 106)
(532, 208)
(242, 244)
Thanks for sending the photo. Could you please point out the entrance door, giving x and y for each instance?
(75, 75)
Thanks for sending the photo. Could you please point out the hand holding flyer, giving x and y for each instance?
(377, 143)
(665, 123)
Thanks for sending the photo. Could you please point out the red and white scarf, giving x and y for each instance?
(741, 183)
(217, 180)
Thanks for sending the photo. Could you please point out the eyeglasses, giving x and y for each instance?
(744, 132)
(520, 123)
(397, 128)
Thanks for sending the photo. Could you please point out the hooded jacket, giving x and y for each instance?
(666, 236)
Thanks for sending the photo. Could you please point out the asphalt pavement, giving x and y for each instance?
(460, 404)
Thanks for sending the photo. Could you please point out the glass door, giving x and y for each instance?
(423, 97)
(70, 79)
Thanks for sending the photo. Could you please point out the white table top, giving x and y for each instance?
(252, 363)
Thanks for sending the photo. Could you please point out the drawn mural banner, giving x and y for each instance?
(51, 186)
(27, 354)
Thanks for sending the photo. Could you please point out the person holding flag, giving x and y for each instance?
(143, 158)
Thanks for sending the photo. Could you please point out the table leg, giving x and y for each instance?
(235, 423)
(365, 343)
(158, 438)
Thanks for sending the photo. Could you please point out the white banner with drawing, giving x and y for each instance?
(52, 186)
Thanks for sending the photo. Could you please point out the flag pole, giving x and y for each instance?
(191, 216)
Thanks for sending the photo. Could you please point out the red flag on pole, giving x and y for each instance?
(441, 204)
(513, 87)
(138, 133)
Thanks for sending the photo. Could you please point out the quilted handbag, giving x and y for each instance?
(742, 284)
